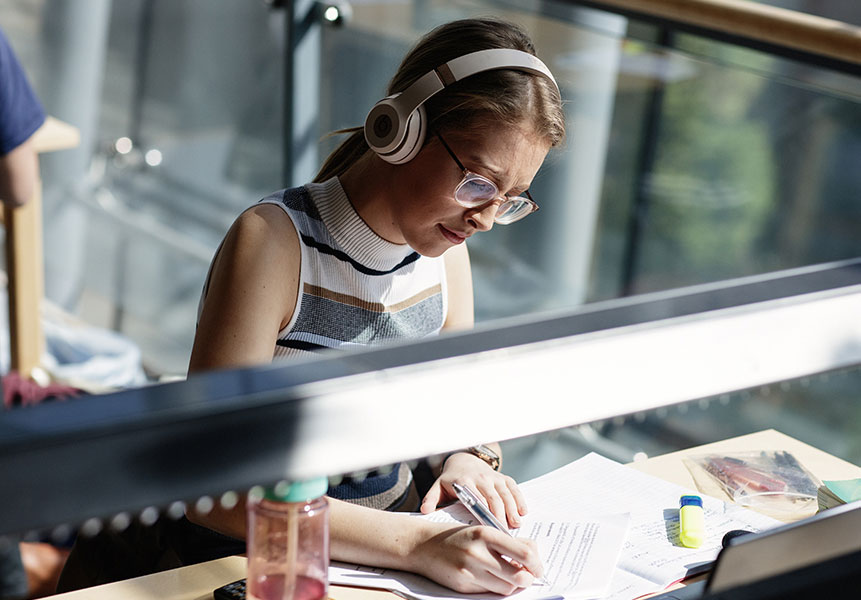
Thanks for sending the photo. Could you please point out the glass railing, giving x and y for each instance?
(691, 159)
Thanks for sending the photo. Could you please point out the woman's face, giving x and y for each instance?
(424, 211)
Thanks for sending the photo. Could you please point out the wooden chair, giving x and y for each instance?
(24, 258)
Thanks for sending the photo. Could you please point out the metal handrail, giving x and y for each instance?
(229, 430)
(769, 25)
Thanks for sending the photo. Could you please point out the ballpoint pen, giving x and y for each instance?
(482, 513)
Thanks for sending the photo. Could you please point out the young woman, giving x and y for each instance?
(373, 250)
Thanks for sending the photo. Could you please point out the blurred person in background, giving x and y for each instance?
(29, 569)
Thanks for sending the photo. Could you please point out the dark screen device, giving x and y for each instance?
(231, 591)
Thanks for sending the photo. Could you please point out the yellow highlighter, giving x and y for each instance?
(692, 526)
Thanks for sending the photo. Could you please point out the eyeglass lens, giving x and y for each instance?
(475, 190)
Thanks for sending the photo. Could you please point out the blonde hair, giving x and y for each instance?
(485, 99)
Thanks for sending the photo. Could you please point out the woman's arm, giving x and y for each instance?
(459, 282)
(19, 171)
(252, 292)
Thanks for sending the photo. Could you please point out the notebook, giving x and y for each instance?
(835, 493)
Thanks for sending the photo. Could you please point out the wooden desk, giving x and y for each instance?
(24, 261)
(196, 582)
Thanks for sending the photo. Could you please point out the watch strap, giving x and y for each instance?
(486, 454)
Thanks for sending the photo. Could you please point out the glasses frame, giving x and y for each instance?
(470, 175)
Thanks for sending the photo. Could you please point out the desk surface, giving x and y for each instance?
(196, 582)
(671, 468)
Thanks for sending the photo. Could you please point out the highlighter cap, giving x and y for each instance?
(690, 500)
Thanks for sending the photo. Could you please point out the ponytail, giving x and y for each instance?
(345, 155)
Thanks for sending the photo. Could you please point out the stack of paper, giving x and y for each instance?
(603, 530)
(835, 493)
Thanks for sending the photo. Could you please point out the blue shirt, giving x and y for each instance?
(21, 113)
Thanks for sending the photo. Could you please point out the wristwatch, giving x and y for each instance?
(487, 455)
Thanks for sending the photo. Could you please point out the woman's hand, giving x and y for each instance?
(469, 560)
(500, 492)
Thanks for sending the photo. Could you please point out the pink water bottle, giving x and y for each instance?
(288, 542)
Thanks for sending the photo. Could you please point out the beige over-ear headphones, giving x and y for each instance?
(396, 126)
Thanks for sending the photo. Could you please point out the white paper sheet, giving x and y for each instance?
(579, 557)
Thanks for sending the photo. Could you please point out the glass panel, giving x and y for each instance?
(205, 118)
(832, 426)
(747, 172)
(687, 161)
(197, 87)
(728, 163)
(713, 161)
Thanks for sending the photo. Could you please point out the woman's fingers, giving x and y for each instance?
(495, 502)
(504, 499)
(512, 498)
(432, 498)
(506, 580)
(519, 498)
(500, 561)
(522, 553)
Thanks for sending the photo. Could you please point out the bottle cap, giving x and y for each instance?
(298, 491)
(690, 501)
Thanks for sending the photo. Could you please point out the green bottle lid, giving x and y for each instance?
(298, 491)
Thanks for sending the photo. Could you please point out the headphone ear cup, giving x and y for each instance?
(383, 126)
(414, 139)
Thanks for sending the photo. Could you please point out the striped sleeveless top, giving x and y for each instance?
(357, 289)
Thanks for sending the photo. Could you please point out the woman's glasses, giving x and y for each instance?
(474, 191)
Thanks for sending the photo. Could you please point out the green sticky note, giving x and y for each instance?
(847, 490)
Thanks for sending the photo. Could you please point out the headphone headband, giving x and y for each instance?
(395, 126)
